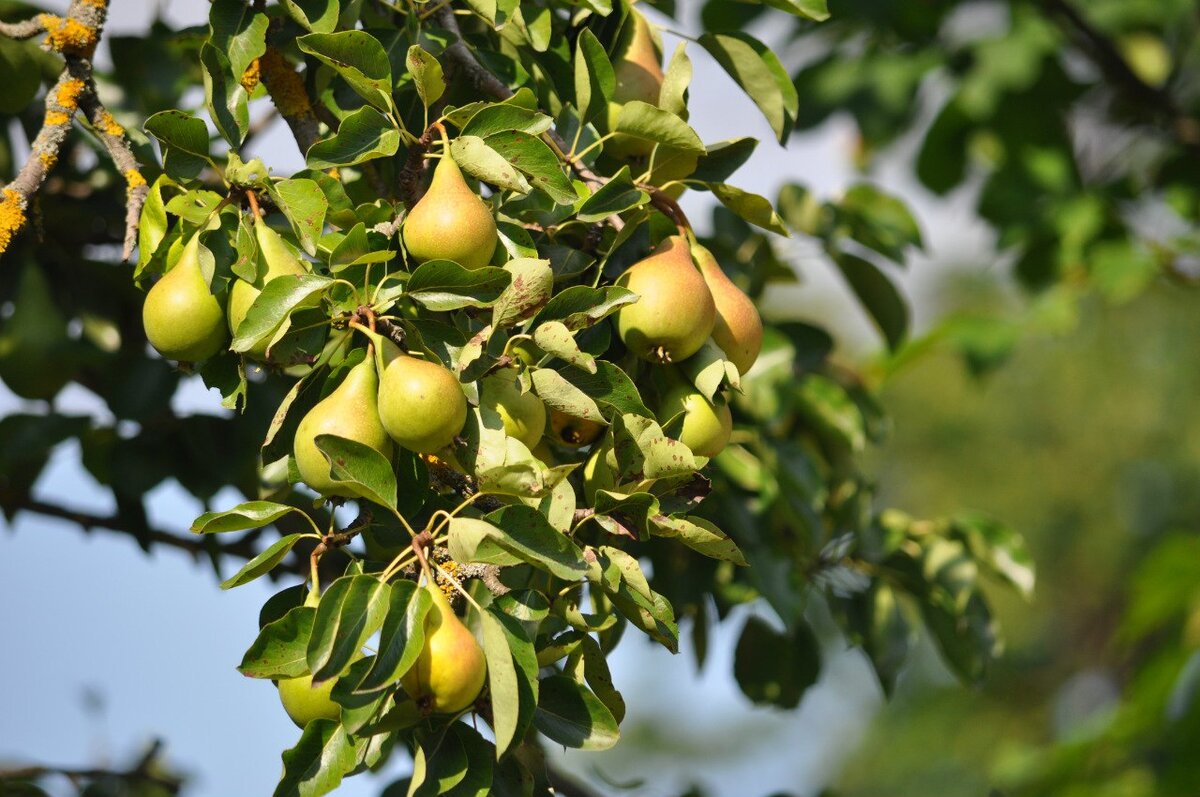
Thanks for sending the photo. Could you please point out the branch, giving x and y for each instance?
(23, 30)
(287, 91)
(141, 772)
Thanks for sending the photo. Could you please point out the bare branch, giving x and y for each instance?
(287, 91)
(144, 771)
(25, 29)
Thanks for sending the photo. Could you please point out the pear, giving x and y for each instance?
(35, 358)
(573, 432)
(706, 425)
(599, 472)
(450, 222)
(183, 320)
(449, 673)
(304, 703)
(675, 313)
(639, 74)
(523, 414)
(349, 412)
(739, 329)
(281, 261)
(421, 404)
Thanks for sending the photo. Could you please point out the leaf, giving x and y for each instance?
(643, 120)
(427, 75)
(152, 225)
(502, 117)
(280, 650)
(831, 411)
(672, 97)
(368, 472)
(304, 204)
(184, 142)
(248, 515)
(474, 541)
(531, 286)
(445, 285)
(774, 668)
(503, 689)
(580, 306)
(702, 536)
(554, 338)
(753, 208)
(479, 160)
(616, 196)
(817, 10)
(277, 300)
(528, 535)
(609, 386)
(319, 16)
(879, 221)
(723, 159)
(758, 71)
(318, 762)
(224, 95)
(595, 80)
(359, 58)
(559, 394)
(878, 295)
(401, 636)
(533, 157)
(568, 713)
(362, 135)
(263, 563)
(239, 32)
(351, 609)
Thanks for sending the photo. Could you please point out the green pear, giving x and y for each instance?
(350, 412)
(451, 669)
(599, 472)
(639, 76)
(35, 350)
(572, 432)
(421, 404)
(738, 330)
(523, 414)
(675, 313)
(304, 703)
(183, 320)
(706, 425)
(450, 222)
(280, 261)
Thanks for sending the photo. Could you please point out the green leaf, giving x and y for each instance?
(528, 535)
(723, 159)
(359, 58)
(775, 668)
(479, 160)
(813, 9)
(225, 96)
(23, 78)
(998, 549)
(531, 286)
(831, 411)
(401, 636)
(700, 535)
(350, 611)
(427, 75)
(445, 285)
(152, 225)
(474, 541)
(363, 135)
(533, 157)
(503, 117)
(609, 386)
(616, 196)
(368, 472)
(559, 394)
(248, 515)
(554, 338)
(595, 80)
(878, 295)
(263, 563)
(184, 142)
(672, 97)
(277, 300)
(280, 651)
(568, 713)
(239, 32)
(319, 761)
(580, 306)
(304, 204)
(753, 208)
(503, 689)
(319, 16)
(643, 120)
(758, 71)
(879, 221)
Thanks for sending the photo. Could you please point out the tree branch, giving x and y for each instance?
(141, 772)
(287, 91)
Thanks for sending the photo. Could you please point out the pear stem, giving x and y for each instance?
(441, 128)
(314, 572)
(250, 195)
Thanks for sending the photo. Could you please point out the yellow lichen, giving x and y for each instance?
(447, 587)
(12, 217)
(68, 94)
(48, 159)
(108, 125)
(251, 76)
(285, 85)
(134, 179)
(96, 3)
(56, 118)
(68, 35)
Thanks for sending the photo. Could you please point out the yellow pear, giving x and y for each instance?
(739, 329)
(349, 412)
(304, 703)
(523, 414)
(639, 74)
(450, 222)
(573, 432)
(280, 261)
(450, 672)
(183, 320)
(706, 425)
(421, 404)
(675, 313)
(35, 350)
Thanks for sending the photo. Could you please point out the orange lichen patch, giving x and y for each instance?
(108, 125)
(56, 118)
(68, 94)
(251, 76)
(134, 179)
(12, 217)
(95, 3)
(447, 587)
(285, 84)
(48, 159)
(68, 35)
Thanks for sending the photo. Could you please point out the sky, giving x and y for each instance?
(113, 648)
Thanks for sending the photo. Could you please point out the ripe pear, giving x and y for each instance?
(450, 222)
(706, 425)
(304, 703)
(675, 313)
(638, 70)
(280, 261)
(350, 412)
(35, 359)
(523, 414)
(421, 404)
(573, 432)
(739, 329)
(183, 320)
(449, 673)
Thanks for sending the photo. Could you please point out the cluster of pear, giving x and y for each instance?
(446, 677)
